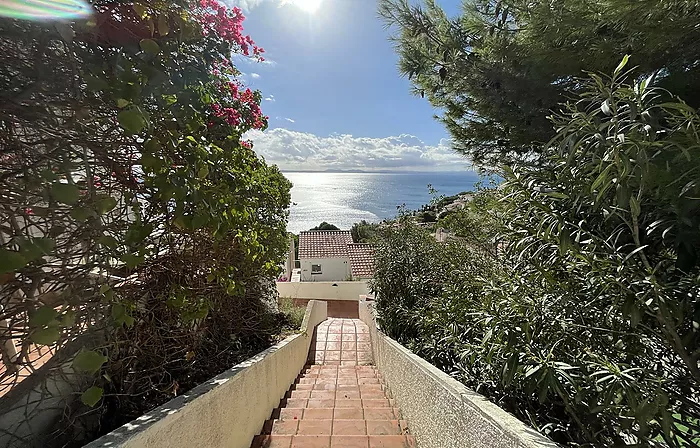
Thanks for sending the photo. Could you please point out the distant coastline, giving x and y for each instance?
(356, 171)
(343, 198)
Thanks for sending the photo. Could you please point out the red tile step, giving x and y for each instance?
(331, 406)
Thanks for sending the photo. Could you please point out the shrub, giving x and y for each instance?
(293, 313)
(325, 226)
(364, 232)
(586, 326)
(136, 219)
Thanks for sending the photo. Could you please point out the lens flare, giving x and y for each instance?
(44, 9)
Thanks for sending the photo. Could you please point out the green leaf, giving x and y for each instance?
(150, 46)
(34, 248)
(132, 260)
(170, 99)
(49, 175)
(88, 361)
(95, 84)
(68, 319)
(141, 10)
(199, 220)
(122, 103)
(120, 316)
(152, 146)
(65, 193)
(132, 120)
(11, 261)
(203, 172)
(92, 396)
(82, 213)
(42, 317)
(163, 26)
(635, 207)
(622, 64)
(108, 241)
(46, 245)
(45, 336)
(149, 162)
(106, 204)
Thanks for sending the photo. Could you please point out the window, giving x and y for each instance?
(315, 268)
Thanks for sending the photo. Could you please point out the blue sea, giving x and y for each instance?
(346, 198)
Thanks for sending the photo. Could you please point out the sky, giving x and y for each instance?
(333, 92)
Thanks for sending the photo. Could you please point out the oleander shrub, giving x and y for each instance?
(586, 324)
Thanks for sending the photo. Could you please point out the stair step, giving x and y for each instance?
(391, 413)
(300, 441)
(337, 403)
(346, 427)
(337, 394)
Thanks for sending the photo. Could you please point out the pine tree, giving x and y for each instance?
(502, 67)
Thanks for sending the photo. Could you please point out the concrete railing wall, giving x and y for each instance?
(323, 290)
(228, 410)
(440, 410)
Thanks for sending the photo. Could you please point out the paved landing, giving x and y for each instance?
(343, 342)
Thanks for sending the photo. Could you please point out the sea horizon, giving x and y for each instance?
(344, 198)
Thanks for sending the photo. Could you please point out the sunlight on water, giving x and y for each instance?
(346, 198)
(44, 9)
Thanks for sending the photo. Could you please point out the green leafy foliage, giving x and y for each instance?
(581, 318)
(325, 226)
(364, 232)
(294, 313)
(92, 396)
(125, 179)
(66, 193)
(89, 361)
(11, 261)
(45, 336)
(499, 68)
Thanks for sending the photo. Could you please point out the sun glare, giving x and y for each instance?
(309, 6)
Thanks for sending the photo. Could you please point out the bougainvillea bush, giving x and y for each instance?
(137, 226)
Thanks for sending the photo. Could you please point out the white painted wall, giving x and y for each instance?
(228, 410)
(331, 269)
(323, 290)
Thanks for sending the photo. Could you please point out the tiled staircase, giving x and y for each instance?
(334, 406)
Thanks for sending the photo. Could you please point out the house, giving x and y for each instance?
(361, 260)
(330, 255)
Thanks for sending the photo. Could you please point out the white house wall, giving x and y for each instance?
(323, 290)
(331, 269)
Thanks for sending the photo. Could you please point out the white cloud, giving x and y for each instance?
(299, 150)
(245, 5)
(289, 120)
(251, 63)
(254, 75)
(270, 98)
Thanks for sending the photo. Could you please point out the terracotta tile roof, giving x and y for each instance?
(324, 244)
(361, 260)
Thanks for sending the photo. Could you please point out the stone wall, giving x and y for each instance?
(440, 410)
